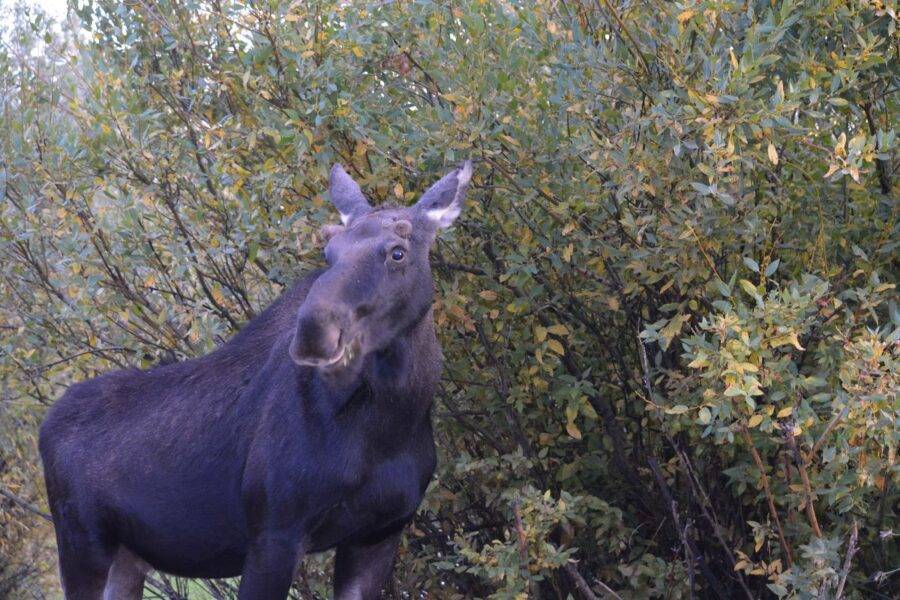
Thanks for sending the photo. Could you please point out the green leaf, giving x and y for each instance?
(748, 287)
(751, 264)
(704, 416)
(722, 287)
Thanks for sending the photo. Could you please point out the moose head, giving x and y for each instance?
(378, 282)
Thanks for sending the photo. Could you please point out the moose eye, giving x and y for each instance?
(398, 254)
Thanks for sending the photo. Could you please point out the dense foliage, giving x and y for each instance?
(668, 313)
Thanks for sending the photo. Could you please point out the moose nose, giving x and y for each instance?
(318, 337)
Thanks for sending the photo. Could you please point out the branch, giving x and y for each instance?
(851, 550)
(703, 501)
(884, 178)
(807, 489)
(24, 504)
(520, 532)
(821, 441)
(685, 540)
(765, 482)
(635, 49)
(582, 586)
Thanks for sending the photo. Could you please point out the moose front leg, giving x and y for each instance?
(362, 569)
(269, 567)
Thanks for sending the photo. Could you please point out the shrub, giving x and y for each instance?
(668, 313)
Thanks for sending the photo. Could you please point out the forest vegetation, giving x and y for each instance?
(669, 311)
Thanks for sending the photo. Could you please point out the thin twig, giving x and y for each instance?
(664, 488)
(582, 586)
(520, 531)
(710, 514)
(713, 581)
(823, 438)
(24, 504)
(99, 351)
(851, 550)
(634, 45)
(689, 556)
(523, 547)
(807, 489)
(765, 482)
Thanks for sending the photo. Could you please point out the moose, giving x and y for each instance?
(309, 430)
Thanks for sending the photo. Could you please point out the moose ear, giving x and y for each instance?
(443, 201)
(346, 195)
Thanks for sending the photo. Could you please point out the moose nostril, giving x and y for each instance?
(318, 336)
(364, 311)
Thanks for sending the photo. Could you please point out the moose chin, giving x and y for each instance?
(309, 430)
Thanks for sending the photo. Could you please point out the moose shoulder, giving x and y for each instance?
(309, 430)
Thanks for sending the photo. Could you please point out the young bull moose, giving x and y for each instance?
(308, 430)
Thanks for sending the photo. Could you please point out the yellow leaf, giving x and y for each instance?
(787, 338)
(839, 148)
(558, 330)
(398, 191)
(573, 430)
(755, 420)
(686, 15)
(555, 346)
(773, 153)
(488, 295)
(698, 363)
(540, 334)
(785, 412)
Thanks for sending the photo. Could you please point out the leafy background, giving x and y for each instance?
(669, 311)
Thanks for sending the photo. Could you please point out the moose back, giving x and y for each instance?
(308, 430)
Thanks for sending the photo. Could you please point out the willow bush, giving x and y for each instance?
(669, 311)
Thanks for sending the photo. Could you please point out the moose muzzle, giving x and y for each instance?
(321, 338)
